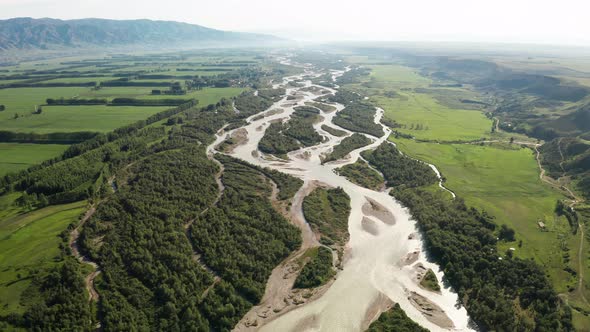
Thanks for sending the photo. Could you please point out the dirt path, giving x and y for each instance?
(581, 265)
(196, 256)
(74, 246)
(221, 187)
(574, 201)
(561, 154)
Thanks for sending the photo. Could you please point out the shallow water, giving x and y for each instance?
(373, 266)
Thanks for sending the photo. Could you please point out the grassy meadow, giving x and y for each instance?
(30, 242)
(424, 118)
(17, 156)
(24, 100)
(65, 119)
(95, 118)
(422, 112)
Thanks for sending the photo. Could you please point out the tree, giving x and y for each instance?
(2, 108)
(506, 233)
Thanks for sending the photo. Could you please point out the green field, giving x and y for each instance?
(98, 118)
(396, 76)
(24, 100)
(80, 79)
(120, 92)
(205, 96)
(17, 156)
(423, 117)
(30, 242)
(504, 181)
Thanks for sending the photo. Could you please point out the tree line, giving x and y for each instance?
(501, 293)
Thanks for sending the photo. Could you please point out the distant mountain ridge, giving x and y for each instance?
(47, 33)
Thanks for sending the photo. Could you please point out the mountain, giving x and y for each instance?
(47, 33)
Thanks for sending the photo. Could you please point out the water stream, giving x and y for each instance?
(375, 261)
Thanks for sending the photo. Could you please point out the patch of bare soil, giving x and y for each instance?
(374, 209)
(381, 304)
(73, 243)
(410, 258)
(431, 311)
(237, 138)
(304, 155)
(369, 226)
(315, 90)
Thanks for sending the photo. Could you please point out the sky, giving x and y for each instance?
(564, 22)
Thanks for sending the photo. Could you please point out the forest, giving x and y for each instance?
(281, 138)
(242, 238)
(395, 319)
(317, 271)
(398, 169)
(327, 210)
(359, 117)
(362, 174)
(334, 131)
(348, 144)
(509, 294)
(150, 223)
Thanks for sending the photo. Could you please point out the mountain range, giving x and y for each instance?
(47, 33)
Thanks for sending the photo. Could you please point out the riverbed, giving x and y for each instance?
(376, 262)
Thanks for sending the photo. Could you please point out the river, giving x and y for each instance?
(376, 262)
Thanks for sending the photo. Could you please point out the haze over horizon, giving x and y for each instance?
(527, 21)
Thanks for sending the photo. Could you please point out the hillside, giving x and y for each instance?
(47, 33)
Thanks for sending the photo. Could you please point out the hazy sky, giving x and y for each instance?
(536, 21)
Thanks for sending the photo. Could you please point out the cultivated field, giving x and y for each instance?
(17, 156)
(30, 242)
(64, 119)
(205, 76)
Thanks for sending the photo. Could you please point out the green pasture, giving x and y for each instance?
(28, 243)
(17, 156)
(96, 118)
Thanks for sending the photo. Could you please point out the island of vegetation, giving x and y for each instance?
(362, 174)
(317, 271)
(429, 281)
(334, 131)
(398, 169)
(348, 144)
(395, 319)
(281, 138)
(327, 210)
